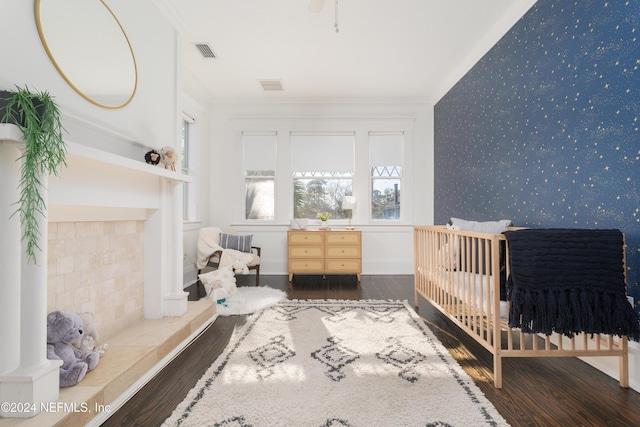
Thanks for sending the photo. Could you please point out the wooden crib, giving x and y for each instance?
(460, 273)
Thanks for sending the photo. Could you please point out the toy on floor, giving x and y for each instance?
(63, 329)
(220, 284)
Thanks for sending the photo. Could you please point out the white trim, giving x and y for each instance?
(187, 118)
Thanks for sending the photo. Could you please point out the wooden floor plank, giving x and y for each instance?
(536, 392)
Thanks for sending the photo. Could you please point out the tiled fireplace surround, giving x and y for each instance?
(97, 267)
(113, 246)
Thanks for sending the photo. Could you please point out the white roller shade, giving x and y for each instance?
(386, 149)
(322, 152)
(259, 151)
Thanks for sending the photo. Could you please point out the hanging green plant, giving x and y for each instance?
(38, 117)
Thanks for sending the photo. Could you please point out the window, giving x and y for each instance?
(322, 168)
(259, 153)
(385, 156)
(315, 192)
(188, 199)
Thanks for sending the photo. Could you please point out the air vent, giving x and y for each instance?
(271, 84)
(205, 50)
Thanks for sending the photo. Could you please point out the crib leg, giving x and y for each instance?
(497, 370)
(624, 363)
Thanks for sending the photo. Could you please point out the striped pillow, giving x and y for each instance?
(240, 243)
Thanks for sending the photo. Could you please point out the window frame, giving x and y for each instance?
(334, 161)
(187, 151)
(399, 176)
(247, 178)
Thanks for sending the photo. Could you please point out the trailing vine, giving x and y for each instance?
(38, 117)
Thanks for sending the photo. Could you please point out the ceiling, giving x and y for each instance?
(384, 48)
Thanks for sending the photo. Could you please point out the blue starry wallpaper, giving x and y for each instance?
(545, 129)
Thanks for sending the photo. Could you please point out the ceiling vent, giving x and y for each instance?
(205, 50)
(271, 84)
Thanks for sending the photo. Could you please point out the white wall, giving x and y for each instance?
(387, 248)
(149, 120)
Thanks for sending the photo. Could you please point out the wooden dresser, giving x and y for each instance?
(324, 252)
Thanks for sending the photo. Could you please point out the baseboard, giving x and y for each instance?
(189, 275)
(609, 365)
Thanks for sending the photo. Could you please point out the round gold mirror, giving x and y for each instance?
(89, 48)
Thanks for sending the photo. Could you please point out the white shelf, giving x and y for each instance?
(83, 151)
(12, 134)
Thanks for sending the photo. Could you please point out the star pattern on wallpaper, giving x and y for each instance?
(545, 129)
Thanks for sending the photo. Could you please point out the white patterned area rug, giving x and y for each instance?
(335, 364)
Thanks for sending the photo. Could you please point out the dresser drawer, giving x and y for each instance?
(342, 252)
(306, 252)
(306, 266)
(324, 252)
(306, 238)
(342, 238)
(343, 266)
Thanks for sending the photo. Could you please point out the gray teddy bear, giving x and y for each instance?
(63, 329)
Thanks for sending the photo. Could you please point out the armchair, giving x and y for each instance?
(211, 252)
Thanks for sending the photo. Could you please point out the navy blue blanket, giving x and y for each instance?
(569, 281)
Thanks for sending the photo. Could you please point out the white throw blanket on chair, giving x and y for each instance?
(236, 259)
(208, 244)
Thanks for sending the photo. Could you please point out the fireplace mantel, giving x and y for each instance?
(94, 186)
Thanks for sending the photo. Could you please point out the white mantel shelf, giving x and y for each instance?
(10, 133)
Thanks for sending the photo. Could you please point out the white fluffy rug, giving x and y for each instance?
(247, 300)
(335, 363)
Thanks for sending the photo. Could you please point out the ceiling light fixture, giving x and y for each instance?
(316, 6)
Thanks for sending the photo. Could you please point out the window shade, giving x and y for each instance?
(386, 149)
(259, 152)
(322, 152)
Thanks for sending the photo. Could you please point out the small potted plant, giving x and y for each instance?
(38, 117)
(323, 217)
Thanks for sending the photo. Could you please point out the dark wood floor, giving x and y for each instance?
(536, 392)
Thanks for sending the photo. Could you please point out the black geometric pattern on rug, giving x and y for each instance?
(336, 315)
(270, 355)
(383, 314)
(336, 357)
(403, 358)
(379, 313)
(288, 311)
(238, 421)
(335, 422)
